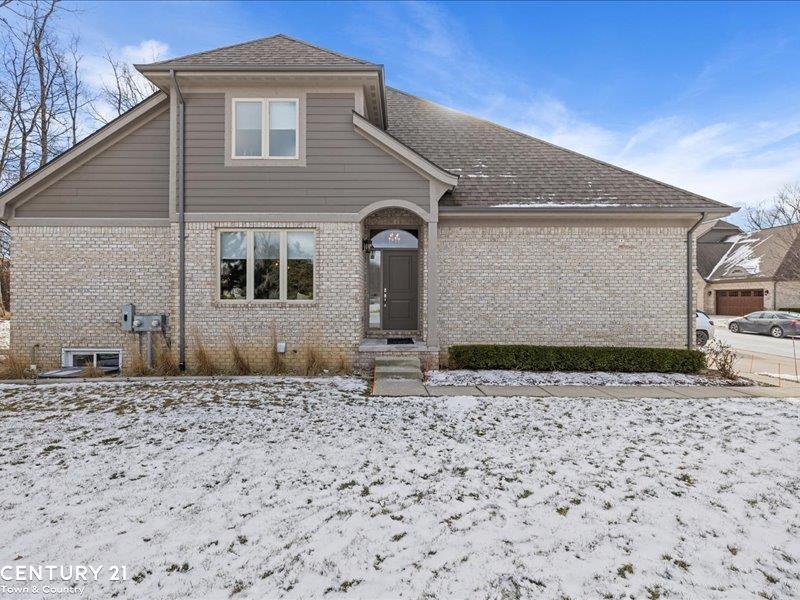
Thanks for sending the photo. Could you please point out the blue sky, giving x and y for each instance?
(704, 96)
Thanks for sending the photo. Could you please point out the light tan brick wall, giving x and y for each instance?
(331, 323)
(699, 291)
(787, 294)
(621, 286)
(70, 284)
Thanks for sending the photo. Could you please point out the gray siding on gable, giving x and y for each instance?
(129, 179)
(343, 173)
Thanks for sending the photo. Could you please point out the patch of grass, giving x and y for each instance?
(524, 494)
(686, 478)
(14, 366)
(140, 576)
(625, 570)
(173, 568)
(562, 510)
(346, 485)
(241, 365)
(238, 587)
(681, 564)
(398, 536)
(344, 586)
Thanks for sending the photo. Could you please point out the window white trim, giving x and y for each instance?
(250, 268)
(265, 102)
(67, 355)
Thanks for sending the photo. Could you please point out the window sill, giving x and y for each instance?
(265, 162)
(265, 303)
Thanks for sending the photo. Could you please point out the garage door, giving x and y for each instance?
(739, 302)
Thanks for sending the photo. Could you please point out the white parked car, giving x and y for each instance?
(704, 328)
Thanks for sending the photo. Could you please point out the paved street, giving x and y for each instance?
(760, 353)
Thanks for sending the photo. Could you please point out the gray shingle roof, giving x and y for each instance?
(772, 253)
(274, 51)
(501, 167)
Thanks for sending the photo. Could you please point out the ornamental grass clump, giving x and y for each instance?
(203, 363)
(13, 366)
(241, 364)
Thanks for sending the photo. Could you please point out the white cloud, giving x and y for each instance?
(740, 161)
(146, 51)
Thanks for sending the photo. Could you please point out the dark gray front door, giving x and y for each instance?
(400, 284)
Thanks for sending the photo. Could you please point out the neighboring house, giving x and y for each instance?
(322, 208)
(744, 272)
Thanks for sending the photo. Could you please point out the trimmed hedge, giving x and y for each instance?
(576, 358)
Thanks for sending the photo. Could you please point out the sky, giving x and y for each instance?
(705, 96)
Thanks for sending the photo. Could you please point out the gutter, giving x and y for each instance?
(477, 211)
(181, 225)
(690, 325)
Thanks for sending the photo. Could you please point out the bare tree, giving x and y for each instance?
(781, 216)
(125, 90)
(74, 90)
(41, 94)
(783, 209)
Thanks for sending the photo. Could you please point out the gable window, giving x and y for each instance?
(265, 128)
(266, 264)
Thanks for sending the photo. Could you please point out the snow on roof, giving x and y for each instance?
(743, 258)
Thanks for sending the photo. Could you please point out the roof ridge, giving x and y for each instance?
(261, 39)
(556, 146)
(328, 50)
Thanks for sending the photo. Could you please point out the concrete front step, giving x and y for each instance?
(392, 372)
(398, 361)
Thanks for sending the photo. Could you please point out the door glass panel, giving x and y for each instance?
(300, 265)
(267, 265)
(395, 238)
(374, 269)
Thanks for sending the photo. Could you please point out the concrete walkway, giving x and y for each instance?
(399, 387)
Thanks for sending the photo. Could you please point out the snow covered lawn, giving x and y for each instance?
(308, 488)
(501, 377)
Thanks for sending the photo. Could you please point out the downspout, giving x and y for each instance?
(689, 280)
(181, 226)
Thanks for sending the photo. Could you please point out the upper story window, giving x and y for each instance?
(265, 128)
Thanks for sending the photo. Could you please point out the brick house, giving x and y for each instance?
(738, 272)
(319, 206)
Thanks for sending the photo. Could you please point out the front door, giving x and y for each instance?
(400, 284)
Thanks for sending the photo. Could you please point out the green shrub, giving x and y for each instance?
(794, 310)
(576, 358)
